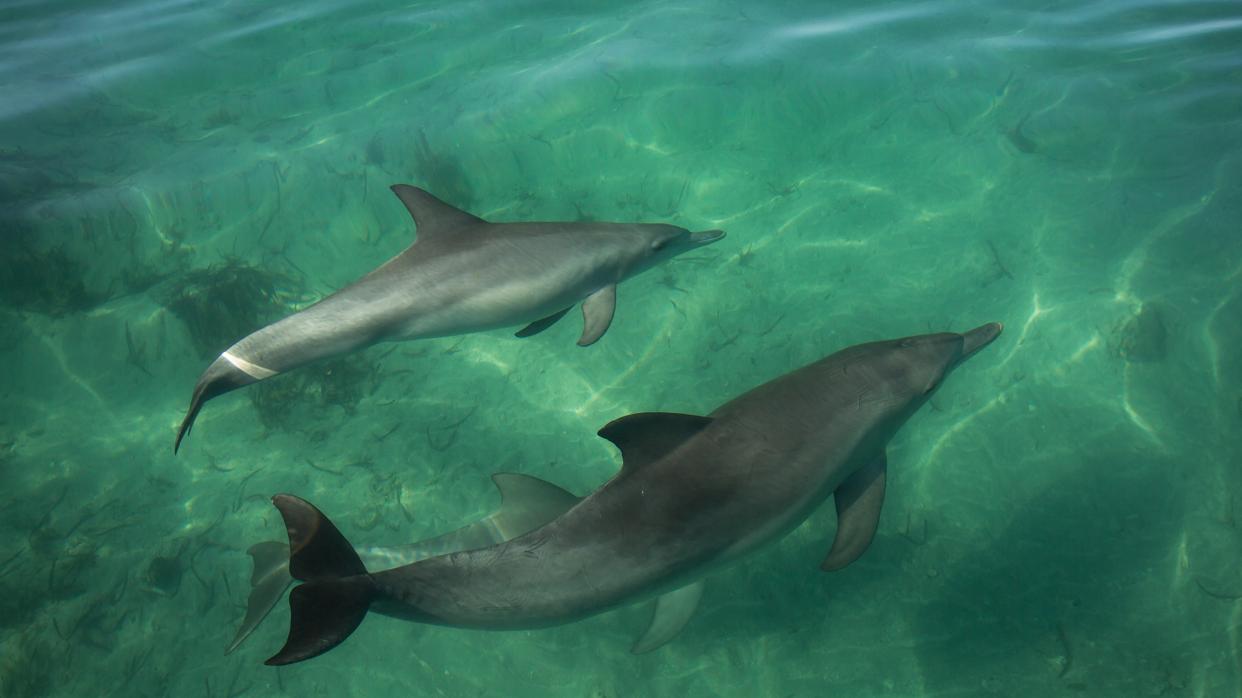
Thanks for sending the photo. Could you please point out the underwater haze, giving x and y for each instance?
(1060, 520)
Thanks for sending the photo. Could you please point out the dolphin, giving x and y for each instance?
(693, 493)
(462, 274)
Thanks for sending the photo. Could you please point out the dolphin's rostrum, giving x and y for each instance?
(693, 493)
(463, 274)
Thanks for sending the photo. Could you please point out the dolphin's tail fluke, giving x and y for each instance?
(196, 404)
(219, 378)
(268, 583)
(337, 590)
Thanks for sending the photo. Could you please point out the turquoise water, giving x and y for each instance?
(1059, 521)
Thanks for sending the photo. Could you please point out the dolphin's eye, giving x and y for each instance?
(659, 245)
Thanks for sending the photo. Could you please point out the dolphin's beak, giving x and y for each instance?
(980, 337)
(705, 237)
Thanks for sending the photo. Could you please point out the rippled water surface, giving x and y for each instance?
(1060, 519)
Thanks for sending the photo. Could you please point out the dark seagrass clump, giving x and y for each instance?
(50, 281)
(225, 302)
(28, 668)
(339, 382)
(164, 574)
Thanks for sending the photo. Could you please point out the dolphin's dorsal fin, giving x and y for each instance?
(858, 501)
(431, 215)
(526, 503)
(672, 611)
(648, 436)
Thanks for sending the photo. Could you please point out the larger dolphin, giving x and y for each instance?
(463, 274)
(693, 493)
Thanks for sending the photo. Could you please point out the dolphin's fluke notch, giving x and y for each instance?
(338, 590)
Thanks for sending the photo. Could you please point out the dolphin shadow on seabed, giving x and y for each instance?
(1057, 588)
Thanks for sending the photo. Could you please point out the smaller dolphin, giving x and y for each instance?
(462, 275)
(693, 493)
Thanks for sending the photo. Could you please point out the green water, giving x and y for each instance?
(1059, 521)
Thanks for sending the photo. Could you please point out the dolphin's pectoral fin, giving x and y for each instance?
(267, 584)
(672, 612)
(648, 436)
(526, 503)
(858, 500)
(538, 326)
(430, 214)
(597, 311)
